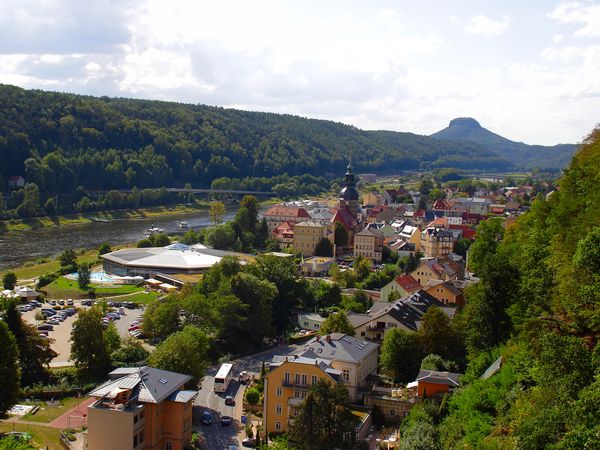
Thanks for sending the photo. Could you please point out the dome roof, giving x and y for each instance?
(349, 193)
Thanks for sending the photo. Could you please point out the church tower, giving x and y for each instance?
(349, 194)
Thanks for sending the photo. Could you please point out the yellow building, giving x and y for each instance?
(369, 244)
(436, 242)
(287, 384)
(307, 235)
(141, 408)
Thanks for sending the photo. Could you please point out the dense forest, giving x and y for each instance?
(62, 141)
(537, 307)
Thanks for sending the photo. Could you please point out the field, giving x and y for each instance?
(32, 270)
(44, 437)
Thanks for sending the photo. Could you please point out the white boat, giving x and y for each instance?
(153, 230)
(183, 224)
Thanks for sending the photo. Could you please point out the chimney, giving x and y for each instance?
(318, 338)
(328, 338)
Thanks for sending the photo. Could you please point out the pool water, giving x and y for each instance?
(95, 277)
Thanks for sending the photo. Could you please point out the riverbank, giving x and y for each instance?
(39, 223)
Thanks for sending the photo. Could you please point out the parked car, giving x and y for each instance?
(133, 328)
(229, 400)
(35, 303)
(45, 326)
(53, 302)
(61, 302)
(249, 442)
(207, 417)
(43, 332)
(70, 302)
(225, 420)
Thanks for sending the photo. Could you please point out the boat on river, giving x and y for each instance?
(183, 224)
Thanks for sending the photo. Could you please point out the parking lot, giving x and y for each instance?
(62, 332)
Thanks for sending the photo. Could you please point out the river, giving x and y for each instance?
(19, 247)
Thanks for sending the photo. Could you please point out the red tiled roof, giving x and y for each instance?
(408, 283)
(345, 218)
(440, 204)
(467, 231)
(281, 210)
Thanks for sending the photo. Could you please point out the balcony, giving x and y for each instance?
(107, 403)
(293, 384)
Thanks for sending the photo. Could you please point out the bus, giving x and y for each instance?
(223, 377)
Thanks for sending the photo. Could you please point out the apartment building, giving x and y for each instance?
(369, 244)
(436, 242)
(141, 408)
(278, 214)
(286, 385)
(307, 235)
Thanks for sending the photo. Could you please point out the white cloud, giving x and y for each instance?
(587, 15)
(557, 38)
(481, 25)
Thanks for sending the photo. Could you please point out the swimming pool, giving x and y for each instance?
(95, 277)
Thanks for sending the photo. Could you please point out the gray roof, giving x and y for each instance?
(182, 396)
(324, 364)
(436, 377)
(337, 347)
(149, 384)
(492, 369)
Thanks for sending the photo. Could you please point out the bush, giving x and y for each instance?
(252, 396)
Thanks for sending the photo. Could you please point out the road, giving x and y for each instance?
(216, 436)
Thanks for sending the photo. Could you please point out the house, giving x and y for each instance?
(278, 214)
(371, 199)
(16, 181)
(284, 233)
(355, 358)
(286, 385)
(369, 244)
(432, 382)
(451, 267)
(436, 241)
(310, 321)
(403, 285)
(405, 314)
(307, 235)
(141, 408)
(394, 403)
(316, 266)
(446, 292)
(412, 235)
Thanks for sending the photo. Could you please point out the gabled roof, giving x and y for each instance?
(408, 283)
(370, 232)
(150, 385)
(323, 364)
(345, 218)
(440, 204)
(436, 377)
(283, 210)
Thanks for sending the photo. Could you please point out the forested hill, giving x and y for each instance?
(537, 306)
(61, 141)
(522, 155)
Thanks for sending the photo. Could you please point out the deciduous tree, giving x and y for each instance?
(9, 369)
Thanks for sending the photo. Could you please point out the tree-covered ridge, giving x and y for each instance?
(538, 307)
(522, 155)
(61, 141)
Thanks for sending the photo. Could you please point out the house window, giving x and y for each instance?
(279, 392)
(346, 375)
(296, 393)
(277, 426)
(304, 380)
(142, 414)
(392, 412)
(141, 439)
(278, 409)
(135, 441)
(314, 379)
(168, 445)
(297, 378)
(135, 420)
(286, 377)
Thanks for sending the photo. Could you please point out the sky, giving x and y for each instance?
(528, 70)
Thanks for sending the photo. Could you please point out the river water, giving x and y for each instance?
(19, 247)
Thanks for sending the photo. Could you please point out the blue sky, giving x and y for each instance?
(528, 70)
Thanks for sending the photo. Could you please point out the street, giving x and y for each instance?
(216, 436)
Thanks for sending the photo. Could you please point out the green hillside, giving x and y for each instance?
(61, 141)
(537, 306)
(523, 156)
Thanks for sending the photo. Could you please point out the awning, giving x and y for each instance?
(153, 282)
(167, 286)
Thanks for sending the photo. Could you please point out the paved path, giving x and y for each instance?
(75, 417)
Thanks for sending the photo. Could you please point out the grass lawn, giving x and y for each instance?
(47, 414)
(42, 436)
(35, 270)
(65, 288)
(141, 298)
